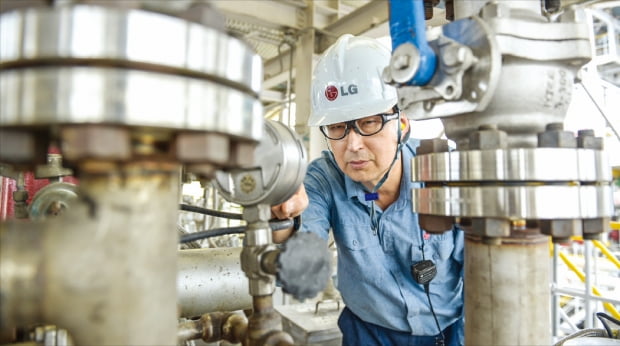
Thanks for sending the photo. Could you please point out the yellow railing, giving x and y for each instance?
(606, 252)
(608, 306)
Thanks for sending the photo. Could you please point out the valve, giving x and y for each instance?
(304, 265)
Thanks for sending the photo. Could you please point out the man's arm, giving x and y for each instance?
(289, 209)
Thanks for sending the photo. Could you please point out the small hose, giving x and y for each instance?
(275, 225)
(211, 212)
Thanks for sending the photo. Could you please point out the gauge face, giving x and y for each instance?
(279, 169)
(52, 200)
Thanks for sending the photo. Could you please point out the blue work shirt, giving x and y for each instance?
(374, 271)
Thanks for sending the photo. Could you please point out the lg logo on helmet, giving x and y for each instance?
(331, 92)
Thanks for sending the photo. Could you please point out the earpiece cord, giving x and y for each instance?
(441, 340)
(373, 195)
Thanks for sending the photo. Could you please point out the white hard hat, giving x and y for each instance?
(347, 84)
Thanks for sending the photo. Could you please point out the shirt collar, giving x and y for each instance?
(354, 189)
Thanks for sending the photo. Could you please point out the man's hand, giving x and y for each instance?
(292, 207)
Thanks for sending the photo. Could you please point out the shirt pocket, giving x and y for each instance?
(355, 237)
(441, 255)
(361, 262)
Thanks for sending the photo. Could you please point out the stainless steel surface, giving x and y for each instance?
(513, 165)
(507, 293)
(515, 202)
(257, 244)
(112, 65)
(476, 87)
(21, 301)
(210, 280)
(278, 170)
(125, 97)
(521, 79)
(530, 171)
(100, 34)
(106, 272)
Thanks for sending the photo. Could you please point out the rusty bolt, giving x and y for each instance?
(211, 148)
(95, 142)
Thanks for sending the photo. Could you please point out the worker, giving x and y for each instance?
(360, 189)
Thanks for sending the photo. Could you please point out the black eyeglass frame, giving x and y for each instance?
(351, 124)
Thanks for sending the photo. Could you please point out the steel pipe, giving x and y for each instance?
(105, 271)
(210, 280)
(507, 292)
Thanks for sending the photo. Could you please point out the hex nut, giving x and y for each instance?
(561, 229)
(554, 136)
(433, 145)
(95, 142)
(593, 228)
(490, 227)
(587, 140)
(211, 148)
(20, 147)
(488, 139)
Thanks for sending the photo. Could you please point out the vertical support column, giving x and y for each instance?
(507, 292)
(110, 266)
(304, 63)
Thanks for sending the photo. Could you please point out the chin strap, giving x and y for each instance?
(374, 195)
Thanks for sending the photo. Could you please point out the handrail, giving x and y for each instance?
(604, 250)
(608, 306)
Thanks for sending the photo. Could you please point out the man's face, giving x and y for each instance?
(365, 159)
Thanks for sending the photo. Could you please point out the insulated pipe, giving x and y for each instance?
(507, 299)
(407, 25)
(210, 280)
(105, 271)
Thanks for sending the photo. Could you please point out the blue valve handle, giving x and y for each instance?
(407, 25)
